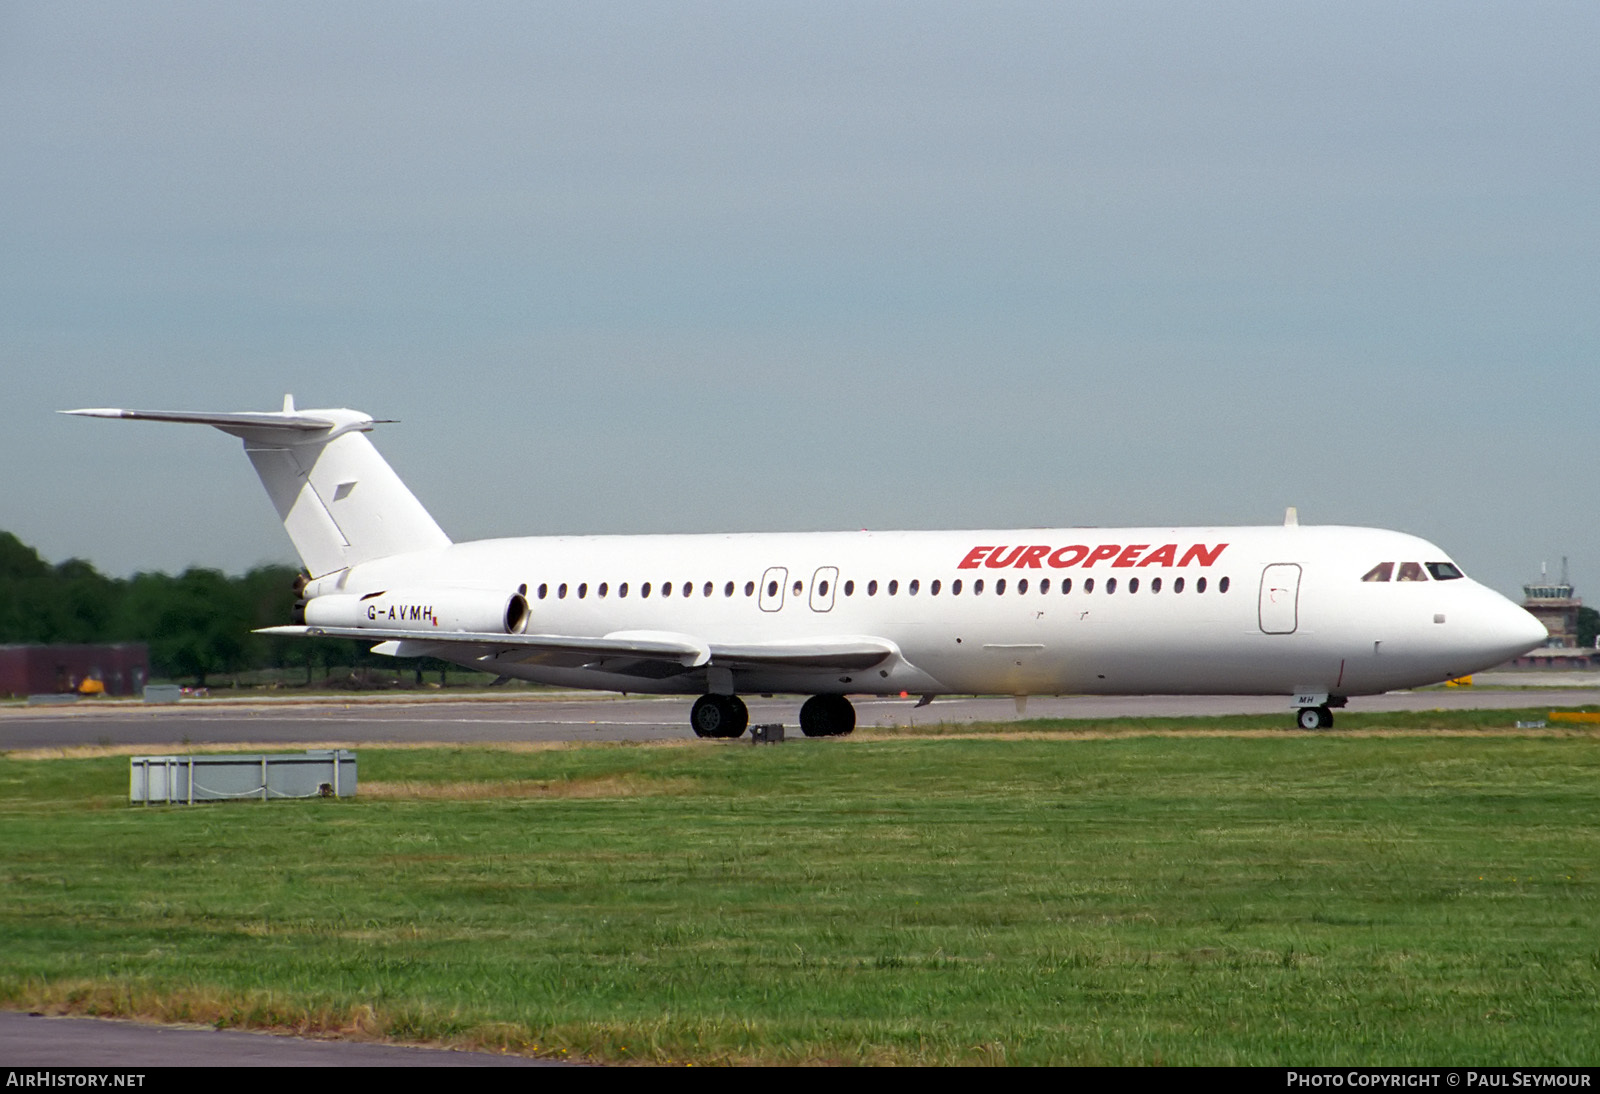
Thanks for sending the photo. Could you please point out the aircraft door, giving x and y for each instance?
(1280, 598)
(822, 583)
(772, 583)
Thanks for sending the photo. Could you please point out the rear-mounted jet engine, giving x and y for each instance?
(428, 610)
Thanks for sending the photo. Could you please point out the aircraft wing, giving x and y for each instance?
(649, 654)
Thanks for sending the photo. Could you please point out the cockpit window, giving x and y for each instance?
(1383, 571)
(1411, 571)
(1444, 571)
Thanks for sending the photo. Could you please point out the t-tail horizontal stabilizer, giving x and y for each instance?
(340, 502)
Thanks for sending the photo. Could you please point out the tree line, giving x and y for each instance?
(197, 624)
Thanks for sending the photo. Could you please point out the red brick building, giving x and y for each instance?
(122, 667)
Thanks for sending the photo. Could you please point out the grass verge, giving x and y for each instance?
(1420, 898)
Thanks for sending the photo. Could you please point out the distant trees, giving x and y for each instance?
(71, 602)
(1588, 626)
(197, 624)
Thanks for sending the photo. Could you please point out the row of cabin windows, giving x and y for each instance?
(913, 587)
(1413, 571)
(665, 589)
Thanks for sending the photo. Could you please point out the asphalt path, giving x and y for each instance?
(544, 717)
(29, 1042)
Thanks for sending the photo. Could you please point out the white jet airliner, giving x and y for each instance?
(1315, 613)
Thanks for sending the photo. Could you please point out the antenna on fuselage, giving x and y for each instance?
(1291, 517)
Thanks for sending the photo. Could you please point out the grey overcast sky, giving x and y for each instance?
(736, 266)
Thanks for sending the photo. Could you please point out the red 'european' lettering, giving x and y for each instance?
(1030, 558)
(974, 557)
(997, 561)
(1060, 562)
(1035, 556)
(1105, 550)
(1165, 555)
(1129, 553)
(1199, 553)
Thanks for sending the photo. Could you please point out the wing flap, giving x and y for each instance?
(653, 654)
(851, 652)
(545, 648)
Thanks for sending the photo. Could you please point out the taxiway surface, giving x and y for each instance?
(537, 717)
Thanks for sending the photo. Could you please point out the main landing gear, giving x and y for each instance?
(719, 716)
(726, 716)
(827, 716)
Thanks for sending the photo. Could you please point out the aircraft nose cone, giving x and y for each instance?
(1530, 632)
(1516, 631)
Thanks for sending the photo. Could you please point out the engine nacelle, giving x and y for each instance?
(422, 610)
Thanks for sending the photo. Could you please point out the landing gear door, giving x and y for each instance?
(822, 583)
(772, 583)
(1280, 598)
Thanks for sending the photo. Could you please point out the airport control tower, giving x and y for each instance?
(1553, 604)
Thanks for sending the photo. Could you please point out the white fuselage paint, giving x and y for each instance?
(1296, 615)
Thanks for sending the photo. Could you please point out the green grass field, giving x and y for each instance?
(1414, 897)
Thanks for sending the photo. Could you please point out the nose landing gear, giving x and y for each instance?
(1315, 718)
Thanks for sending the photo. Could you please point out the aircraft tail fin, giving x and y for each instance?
(340, 501)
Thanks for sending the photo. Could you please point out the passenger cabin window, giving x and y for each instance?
(1444, 571)
(1411, 571)
(1383, 571)
(850, 588)
(749, 588)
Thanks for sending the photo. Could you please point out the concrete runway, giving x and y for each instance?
(519, 717)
